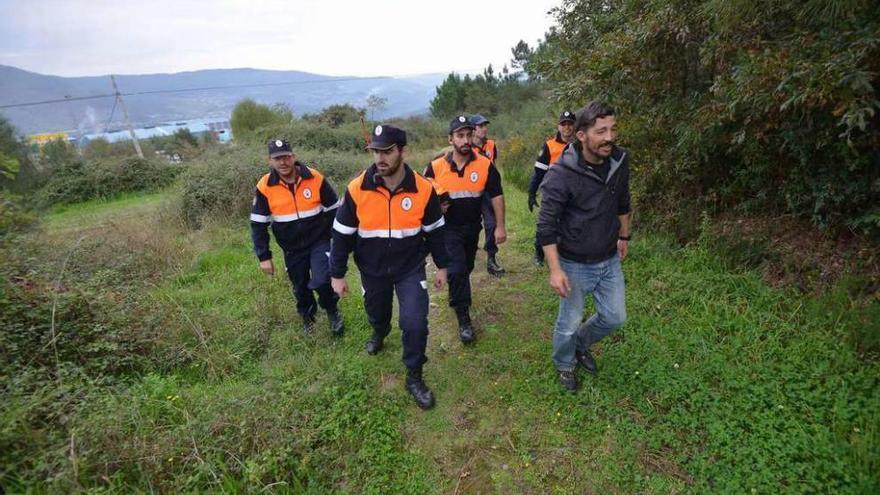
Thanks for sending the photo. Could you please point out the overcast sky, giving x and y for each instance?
(333, 37)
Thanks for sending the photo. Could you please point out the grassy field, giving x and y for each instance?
(717, 383)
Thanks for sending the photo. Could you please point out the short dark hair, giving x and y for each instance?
(588, 115)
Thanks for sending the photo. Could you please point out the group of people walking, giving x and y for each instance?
(392, 217)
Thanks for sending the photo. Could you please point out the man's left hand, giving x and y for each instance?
(622, 249)
(440, 278)
(500, 234)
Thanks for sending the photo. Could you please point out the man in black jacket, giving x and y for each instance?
(300, 205)
(583, 228)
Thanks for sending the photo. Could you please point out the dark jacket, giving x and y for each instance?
(301, 214)
(390, 232)
(579, 210)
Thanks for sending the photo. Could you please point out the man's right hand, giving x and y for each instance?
(340, 286)
(267, 267)
(559, 282)
(533, 201)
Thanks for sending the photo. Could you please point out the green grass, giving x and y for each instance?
(717, 383)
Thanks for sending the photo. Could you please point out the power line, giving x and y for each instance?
(183, 90)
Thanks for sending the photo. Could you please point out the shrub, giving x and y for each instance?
(79, 180)
(220, 184)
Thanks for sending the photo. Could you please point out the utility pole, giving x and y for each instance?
(137, 145)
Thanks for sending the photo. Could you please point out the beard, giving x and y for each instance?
(603, 150)
(386, 169)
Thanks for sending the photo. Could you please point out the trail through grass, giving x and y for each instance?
(717, 383)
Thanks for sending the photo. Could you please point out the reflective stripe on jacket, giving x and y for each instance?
(465, 187)
(300, 213)
(389, 232)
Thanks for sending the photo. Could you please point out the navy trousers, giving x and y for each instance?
(412, 299)
(461, 245)
(309, 271)
(489, 224)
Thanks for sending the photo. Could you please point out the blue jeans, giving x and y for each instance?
(604, 280)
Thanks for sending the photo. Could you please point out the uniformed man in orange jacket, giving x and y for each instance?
(300, 205)
(391, 218)
(550, 152)
(466, 176)
(482, 144)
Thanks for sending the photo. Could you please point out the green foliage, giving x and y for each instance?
(248, 116)
(486, 93)
(79, 180)
(8, 167)
(16, 170)
(13, 216)
(220, 184)
(337, 115)
(733, 104)
(247, 404)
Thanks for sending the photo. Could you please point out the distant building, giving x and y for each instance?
(219, 128)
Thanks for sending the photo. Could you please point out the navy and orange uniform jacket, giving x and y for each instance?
(489, 149)
(390, 232)
(465, 187)
(301, 214)
(550, 153)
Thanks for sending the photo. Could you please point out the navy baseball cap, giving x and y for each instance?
(385, 136)
(460, 122)
(478, 119)
(566, 116)
(279, 147)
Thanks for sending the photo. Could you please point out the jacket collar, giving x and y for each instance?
(302, 173)
(573, 159)
(372, 180)
(454, 167)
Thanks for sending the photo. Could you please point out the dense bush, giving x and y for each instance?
(248, 115)
(79, 180)
(221, 184)
(746, 105)
(13, 216)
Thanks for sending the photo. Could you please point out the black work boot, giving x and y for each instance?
(586, 361)
(308, 324)
(417, 388)
(374, 344)
(465, 328)
(337, 326)
(568, 380)
(493, 267)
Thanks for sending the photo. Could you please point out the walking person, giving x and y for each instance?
(487, 147)
(551, 150)
(583, 227)
(300, 204)
(466, 177)
(391, 219)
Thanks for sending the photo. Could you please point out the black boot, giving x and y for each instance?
(417, 388)
(337, 326)
(375, 343)
(308, 324)
(585, 359)
(465, 328)
(493, 267)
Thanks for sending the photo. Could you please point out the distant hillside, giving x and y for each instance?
(307, 93)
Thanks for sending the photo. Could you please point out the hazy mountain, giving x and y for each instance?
(303, 91)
